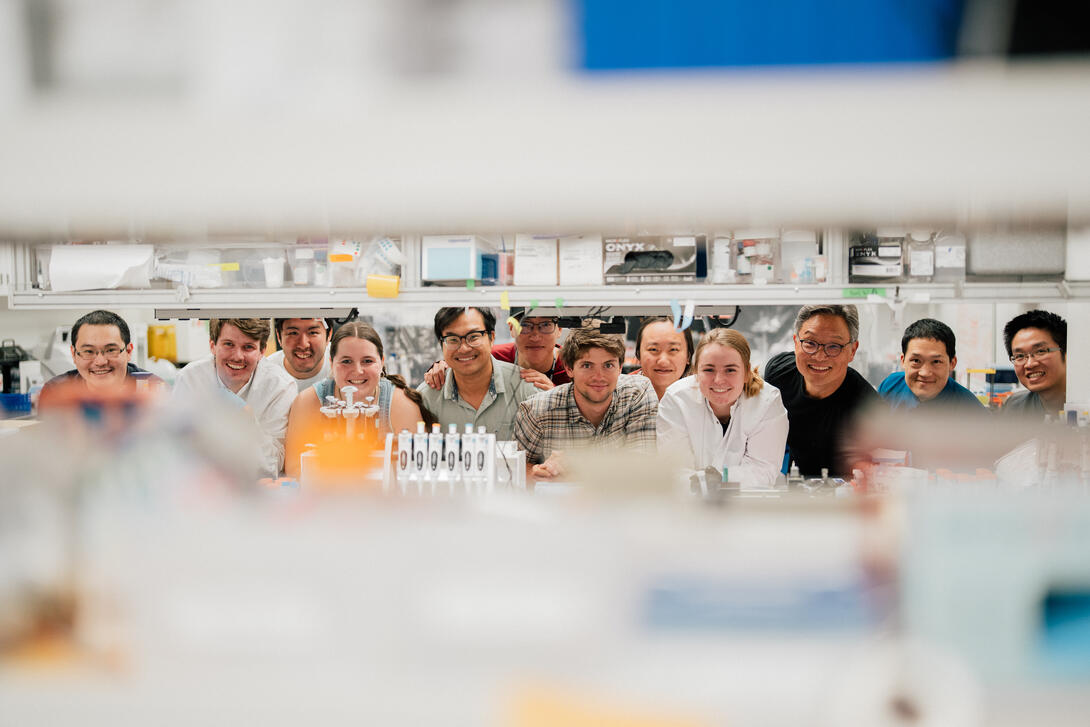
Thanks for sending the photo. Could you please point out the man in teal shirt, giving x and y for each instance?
(928, 360)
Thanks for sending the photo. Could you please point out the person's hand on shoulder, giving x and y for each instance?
(436, 375)
(538, 379)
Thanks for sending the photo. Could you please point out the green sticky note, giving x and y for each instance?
(861, 292)
(533, 304)
(559, 303)
(470, 283)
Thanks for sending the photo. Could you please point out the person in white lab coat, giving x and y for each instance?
(238, 372)
(724, 415)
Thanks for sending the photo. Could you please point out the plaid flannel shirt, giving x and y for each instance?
(552, 420)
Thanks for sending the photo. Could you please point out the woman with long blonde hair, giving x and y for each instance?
(724, 415)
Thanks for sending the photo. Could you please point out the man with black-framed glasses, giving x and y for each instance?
(477, 389)
(535, 350)
(1036, 343)
(101, 348)
(821, 393)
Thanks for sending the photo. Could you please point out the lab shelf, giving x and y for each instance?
(614, 298)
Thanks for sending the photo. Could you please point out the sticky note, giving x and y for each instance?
(559, 303)
(533, 304)
(227, 267)
(505, 301)
(516, 327)
(861, 292)
(470, 283)
(676, 308)
(339, 257)
(383, 286)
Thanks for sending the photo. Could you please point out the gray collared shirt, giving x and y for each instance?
(497, 411)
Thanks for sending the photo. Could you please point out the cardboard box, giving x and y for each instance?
(579, 260)
(654, 259)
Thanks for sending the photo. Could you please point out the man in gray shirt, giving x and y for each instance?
(477, 389)
(1037, 345)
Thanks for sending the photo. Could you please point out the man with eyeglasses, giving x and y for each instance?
(101, 349)
(928, 360)
(477, 389)
(1037, 346)
(534, 350)
(821, 393)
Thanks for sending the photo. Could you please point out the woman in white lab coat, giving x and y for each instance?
(724, 415)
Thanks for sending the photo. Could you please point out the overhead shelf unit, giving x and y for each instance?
(632, 300)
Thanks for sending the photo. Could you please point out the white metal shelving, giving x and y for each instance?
(617, 298)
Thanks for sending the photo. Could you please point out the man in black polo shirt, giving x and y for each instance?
(821, 393)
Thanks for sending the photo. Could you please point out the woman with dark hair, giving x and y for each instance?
(724, 416)
(357, 360)
(663, 351)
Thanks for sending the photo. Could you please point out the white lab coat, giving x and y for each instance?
(268, 395)
(752, 448)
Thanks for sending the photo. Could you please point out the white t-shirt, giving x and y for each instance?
(268, 394)
(323, 374)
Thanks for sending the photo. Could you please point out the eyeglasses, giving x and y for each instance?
(473, 338)
(90, 354)
(1036, 354)
(832, 350)
(545, 328)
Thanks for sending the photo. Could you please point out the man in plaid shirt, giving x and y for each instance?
(600, 407)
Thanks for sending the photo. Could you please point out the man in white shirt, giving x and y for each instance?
(238, 370)
(303, 343)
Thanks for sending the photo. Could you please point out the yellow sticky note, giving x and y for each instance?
(505, 301)
(226, 267)
(516, 327)
(383, 286)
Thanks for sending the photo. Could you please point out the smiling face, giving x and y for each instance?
(106, 368)
(927, 367)
(236, 356)
(823, 373)
(304, 341)
(594, 376)
(663, 354)
(536, 349)
(467, 360)
(721, 375)
(357, 363)
(1042, 374)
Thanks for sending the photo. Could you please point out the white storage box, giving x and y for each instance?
(457, 258)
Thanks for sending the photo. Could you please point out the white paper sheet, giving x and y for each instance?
(580, 260)
(99, 267)
(535, 260)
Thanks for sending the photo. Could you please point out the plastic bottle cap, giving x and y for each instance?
(420, 427)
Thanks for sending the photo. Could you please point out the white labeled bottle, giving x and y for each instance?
(469, 448)
(420, 454)
(480, 455)
(435, 452)
(404, 458)
(919, 256)
(452, 455)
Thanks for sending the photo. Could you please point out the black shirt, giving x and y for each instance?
(817, 426)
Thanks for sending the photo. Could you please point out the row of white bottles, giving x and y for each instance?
(437, 463)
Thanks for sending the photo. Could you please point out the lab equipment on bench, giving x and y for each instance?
(470, 463)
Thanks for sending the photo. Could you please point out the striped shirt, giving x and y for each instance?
(552, 420)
